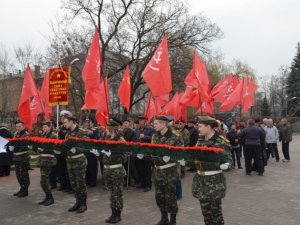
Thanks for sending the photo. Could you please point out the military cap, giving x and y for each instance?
(206, 120)
(142, 117)
(114, 122)
(65, 112)
(164, 118)
(46, 123)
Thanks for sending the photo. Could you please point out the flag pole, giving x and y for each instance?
(57, 115)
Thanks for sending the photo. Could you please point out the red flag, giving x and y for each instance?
(162, 100)
(102, 113)
(157, 73)
(44, 94)
(198, 77)
(173, 108)
(207, 107)
(224, 88)
(125, 90)
(150, 110)
(36, 107)
(249, 88)
(25, 108)
(91, 71)
(233, 99)
(190, 97)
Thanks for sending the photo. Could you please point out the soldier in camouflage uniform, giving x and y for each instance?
(46, 161)
(77, 163)
(114, 172)
(209, 184)
(165, 173)
(21, 160)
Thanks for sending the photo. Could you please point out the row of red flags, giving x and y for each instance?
(230, 91)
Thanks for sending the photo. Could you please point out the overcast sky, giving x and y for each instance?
(262, 33)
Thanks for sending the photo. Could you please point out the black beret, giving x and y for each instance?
(164, 118)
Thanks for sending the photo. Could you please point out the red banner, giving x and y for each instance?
(58, 85)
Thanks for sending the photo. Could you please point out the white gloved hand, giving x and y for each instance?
(181, 162)
(95, 152)
(29, 147)
(140, 156)
(73, 150)
(56, 152)
(40, 149)
(224, 166)
(11, 148)
(166, 158)
(107, 153)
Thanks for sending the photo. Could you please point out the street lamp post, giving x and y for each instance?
(286, 104)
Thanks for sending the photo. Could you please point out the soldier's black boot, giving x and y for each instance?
(23, 193)
(16, 194)
(117, 217)
(82, 206)
(111, 216)
(164, 219)
(173, 219)
(75, 206)
(42, 202)
(49, 200)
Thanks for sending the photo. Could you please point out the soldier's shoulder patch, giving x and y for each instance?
(224, 139)
(177, 133)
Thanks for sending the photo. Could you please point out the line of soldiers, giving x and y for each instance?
(209, 184)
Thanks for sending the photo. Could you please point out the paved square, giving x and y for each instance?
(273, 199)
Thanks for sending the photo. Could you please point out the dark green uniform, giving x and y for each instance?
(210, 189)
(113, 175)
(165, 179)
(76, 168)
(21, 160)
(46, 161)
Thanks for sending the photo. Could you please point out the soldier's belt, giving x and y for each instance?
(165, 166)
(47, 155)
(209, 173)
(112, 166)
(20, 153)
(75, 156)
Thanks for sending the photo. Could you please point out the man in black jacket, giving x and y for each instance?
(253, 137)
(232, 136)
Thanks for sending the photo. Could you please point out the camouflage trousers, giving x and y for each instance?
(212, 211)
(45, 182)
(165, 190)
(76, 171)
(22, 174)
(114, 179)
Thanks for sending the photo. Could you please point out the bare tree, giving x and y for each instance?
(130, 31)
(6, 65)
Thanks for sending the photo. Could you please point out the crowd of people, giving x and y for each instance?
(80, 167)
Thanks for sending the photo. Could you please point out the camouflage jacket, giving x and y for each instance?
(186, 136)
(24, 157)
(218, 142)
(80, 133)
(169, 138)
(208, 187)
(114, 158)
(46, 160)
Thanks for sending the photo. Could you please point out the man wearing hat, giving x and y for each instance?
(144, 165)
(194, 135)
(77, 163)
(130, 136)
(209, 185)
(92, 162)
(114, 172)
(165, 173)
(21, 160)
(46, 161)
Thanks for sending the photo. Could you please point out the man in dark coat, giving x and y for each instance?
(5, 157)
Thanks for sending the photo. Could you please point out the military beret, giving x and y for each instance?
(206, 120)
(164, 118)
